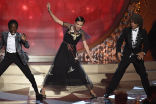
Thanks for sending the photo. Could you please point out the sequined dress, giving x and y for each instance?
(66, 70)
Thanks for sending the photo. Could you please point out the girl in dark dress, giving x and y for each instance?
(66, 69)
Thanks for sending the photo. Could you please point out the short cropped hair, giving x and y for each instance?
(12, 21)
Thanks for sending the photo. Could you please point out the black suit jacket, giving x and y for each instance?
(126, 35)
(18, 43)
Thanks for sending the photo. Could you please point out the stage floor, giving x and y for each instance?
(24, 94)
(16, 89)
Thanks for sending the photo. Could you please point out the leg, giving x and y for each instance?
(140, 69)
(6, 62)
(43, 89)
(91, 92)
(25, 69)
(117, 76)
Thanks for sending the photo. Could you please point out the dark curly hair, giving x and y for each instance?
(12, 21)
(137, 19)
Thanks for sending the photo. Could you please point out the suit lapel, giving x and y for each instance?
(138, 38)
(16, 39)
(6, 38)
(130, 37)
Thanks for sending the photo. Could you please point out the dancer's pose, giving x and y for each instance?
(133, 52)
(66, 69)
(12, 41)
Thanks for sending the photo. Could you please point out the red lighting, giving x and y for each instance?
(44, 34)
(25, 7)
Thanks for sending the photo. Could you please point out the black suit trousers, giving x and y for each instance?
(14, 57)
(124, 63)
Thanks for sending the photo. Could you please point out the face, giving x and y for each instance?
(13, 28)
(133, 24)
(78, 25)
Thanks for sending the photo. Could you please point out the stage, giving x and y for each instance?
(105, 21)
(16, 89)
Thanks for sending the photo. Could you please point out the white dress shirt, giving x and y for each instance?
(11, 48)
(134, 36)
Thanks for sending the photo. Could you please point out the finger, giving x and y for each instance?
(138, 57)
(25, 36)
(120, 58)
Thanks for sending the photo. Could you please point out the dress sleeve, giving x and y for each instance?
(85, 34)
(67, 25)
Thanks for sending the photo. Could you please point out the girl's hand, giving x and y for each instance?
(94, 61)
(48, 6)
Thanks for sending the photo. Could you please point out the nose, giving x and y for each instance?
(13, 29)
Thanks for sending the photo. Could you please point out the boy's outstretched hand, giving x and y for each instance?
(23, 37)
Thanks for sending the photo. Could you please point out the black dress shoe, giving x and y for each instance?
(106, 95)
(39, 97)
(107, 100)
(44, 96)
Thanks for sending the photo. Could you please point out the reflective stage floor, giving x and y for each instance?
(16, 89)
(24, 94)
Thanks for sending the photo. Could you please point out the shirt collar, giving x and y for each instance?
(11, 35)
(137, 29)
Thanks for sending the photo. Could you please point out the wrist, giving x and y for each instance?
(118, 52)
(143, 53)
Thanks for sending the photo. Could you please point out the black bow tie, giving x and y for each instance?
(135, 30)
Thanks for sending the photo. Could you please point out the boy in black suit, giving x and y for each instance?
(12, 41)
(133, 52)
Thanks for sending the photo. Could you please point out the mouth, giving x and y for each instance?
(78, 28)
(13, 33)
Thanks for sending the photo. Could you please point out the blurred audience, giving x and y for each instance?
(151, 96)
(121, 97)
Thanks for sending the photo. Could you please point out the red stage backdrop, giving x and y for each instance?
(43, 34)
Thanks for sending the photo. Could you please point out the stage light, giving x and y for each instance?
(32, 44)
(30, 17)
(25, 7)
